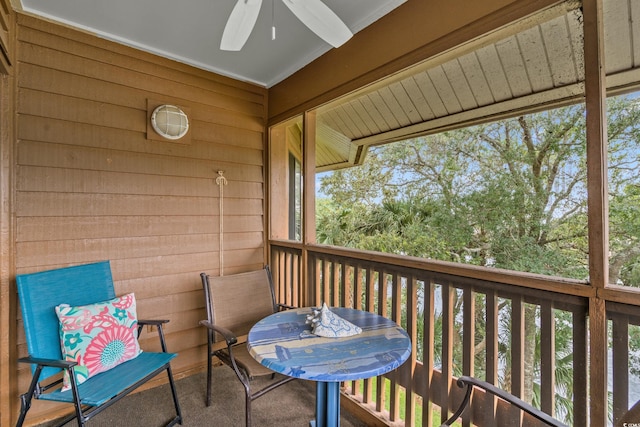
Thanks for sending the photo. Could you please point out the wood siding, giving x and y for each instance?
(90, 186)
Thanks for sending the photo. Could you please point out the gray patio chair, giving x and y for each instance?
(234, 304)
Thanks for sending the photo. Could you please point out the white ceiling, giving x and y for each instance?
(189, 31)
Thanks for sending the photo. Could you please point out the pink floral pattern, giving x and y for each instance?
(98, 336)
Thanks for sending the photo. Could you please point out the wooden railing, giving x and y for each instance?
(498, 325)
(624, 322)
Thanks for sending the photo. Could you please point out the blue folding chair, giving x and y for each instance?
(39, 294)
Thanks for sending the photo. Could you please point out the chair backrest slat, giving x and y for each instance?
(39, 294)
(238, 301)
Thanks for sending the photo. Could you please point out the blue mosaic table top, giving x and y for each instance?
(283, 342)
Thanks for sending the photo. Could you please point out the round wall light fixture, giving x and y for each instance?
(169, 121)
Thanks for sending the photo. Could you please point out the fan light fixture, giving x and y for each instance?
(313, 13)
(169, 121)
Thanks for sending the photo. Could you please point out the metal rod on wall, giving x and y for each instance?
(221, 181)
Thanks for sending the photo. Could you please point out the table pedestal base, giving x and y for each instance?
(327, 405)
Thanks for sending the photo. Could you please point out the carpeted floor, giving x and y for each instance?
(293, 405)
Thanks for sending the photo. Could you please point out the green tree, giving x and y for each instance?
(510, 194)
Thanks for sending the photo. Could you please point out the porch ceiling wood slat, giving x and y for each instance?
(342, 120)
(618, 47)
(561, 55)
(431, 95)
(378, 101)
(405, 102)
(394, 107)
(535, 56)
(477, 79)
(372, 112)
(457, 77)
(363, 115)
(494, 73)
(415, 95)
(356, 119)
(442, 86)
(514, 67)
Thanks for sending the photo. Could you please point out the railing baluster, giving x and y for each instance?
(428, 351)
(548, 358)
(580, 369)
(517, 349)
(410, 366)
(371, 289)
(468, 340)
(396, 315)
(288, 270)
(296, 297)
(368, 285)
(620, 362)
(315, 289)
(491, 352)
(381, 383)
(448, 320)
(326, 280)
(359, 286)
(342, 285)
(358, 274)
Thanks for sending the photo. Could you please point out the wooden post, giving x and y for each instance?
(597, 187)
(308, 193)
(8, 293)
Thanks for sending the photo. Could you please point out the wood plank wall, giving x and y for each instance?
(91, 186)
(7, 294)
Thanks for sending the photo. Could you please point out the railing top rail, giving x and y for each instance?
(538, 282)
(527, 280)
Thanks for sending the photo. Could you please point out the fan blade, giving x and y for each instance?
(240, 24)
(321, 20)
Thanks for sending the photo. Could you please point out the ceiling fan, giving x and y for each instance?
(313, 13)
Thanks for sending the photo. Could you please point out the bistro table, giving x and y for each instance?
(283, 342)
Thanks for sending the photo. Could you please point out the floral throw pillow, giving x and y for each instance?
(98, 336)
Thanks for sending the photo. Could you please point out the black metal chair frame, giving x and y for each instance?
(470, 383)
